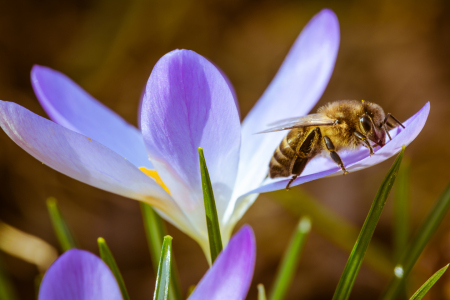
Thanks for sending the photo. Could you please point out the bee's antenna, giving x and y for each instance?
(394, 118)
(385, 122)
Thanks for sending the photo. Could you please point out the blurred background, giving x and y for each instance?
(394, 53)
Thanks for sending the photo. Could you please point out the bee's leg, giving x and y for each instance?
(291, 170)
(366, 142)
(303, 151)
(298, 164)
(333, 154)
(290, 181)
(387, 131)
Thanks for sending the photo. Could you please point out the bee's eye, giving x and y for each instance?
(366, 124)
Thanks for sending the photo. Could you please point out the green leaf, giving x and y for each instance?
(428, 284)
(351, 269)
(401, 209)
(212, 221)
(409, 257)
(37, 284)
(7, 291)
(290, 260)
(164, 267)
(298, 203)
(190, 290)
(261, 292)
(155, 232)
(63, 233)
(107, 257)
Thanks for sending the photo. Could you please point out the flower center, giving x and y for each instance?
(153, 174)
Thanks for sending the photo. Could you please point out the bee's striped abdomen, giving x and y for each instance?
(294, 152)
(280, 164)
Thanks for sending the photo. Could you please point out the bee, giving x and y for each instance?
(338, 125)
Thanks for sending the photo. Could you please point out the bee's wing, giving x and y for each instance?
(305, 121)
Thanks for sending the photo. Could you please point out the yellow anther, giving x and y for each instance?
(153, 174)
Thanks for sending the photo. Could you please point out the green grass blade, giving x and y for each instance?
(428, 284)
(190, 290)
(155, 232)
(6, 288)
(164, 267)
(107, 257)
(415, 248)
(401, 208)
(37, 284)
(344, 235)
(261, 292)
(62, 231)
(212, 221)
(357, 255)
(290, 260)
(400, 218)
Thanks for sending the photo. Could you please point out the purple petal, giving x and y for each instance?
(70, 106)
(230, 86)
(188, 104)
(356, 160)
(231, 274)
(79, 275)
(83, 159)
(296, 88)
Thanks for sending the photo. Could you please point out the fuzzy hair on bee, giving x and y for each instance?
(339, 125)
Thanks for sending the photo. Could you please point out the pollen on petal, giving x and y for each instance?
(153, 174)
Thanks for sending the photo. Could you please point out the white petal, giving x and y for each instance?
(296, 88)
(72, 107)
(84, 159)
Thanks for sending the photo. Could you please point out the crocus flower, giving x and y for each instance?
(80, 275)
(189, 103)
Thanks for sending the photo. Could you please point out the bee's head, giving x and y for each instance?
(371, 123)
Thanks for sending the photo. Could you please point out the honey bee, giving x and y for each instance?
(339, 125)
